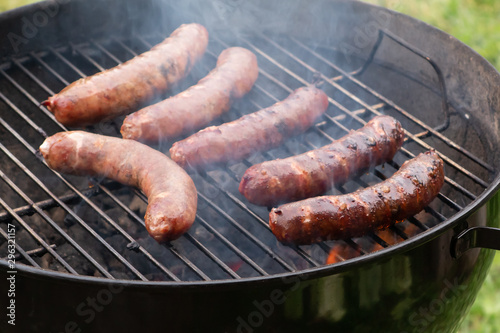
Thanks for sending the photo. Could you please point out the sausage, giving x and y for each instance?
(124, 88)
(406, 193)
(257, 131)
(314, 172)
(233, 77)
(172, 196)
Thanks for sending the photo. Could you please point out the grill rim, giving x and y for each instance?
(315, 272)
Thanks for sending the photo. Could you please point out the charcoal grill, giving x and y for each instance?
(83, 257)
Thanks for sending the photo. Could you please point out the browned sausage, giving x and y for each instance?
(196, 107)
(172, 196)
(406, 193)
(257, 131)
(315, 172)
(126, 87)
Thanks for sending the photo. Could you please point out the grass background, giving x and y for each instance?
(477, 24)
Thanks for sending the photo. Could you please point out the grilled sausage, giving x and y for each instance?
(315, 172)
(124, 88)
(196, 107)
(257, 131)
(406, 193)
(172, 196)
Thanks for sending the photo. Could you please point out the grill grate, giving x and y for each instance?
(95, 226)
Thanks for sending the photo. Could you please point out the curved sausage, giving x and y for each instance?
(406, 193)
(257, 131)
(194, 108)
(126, 87)
(315, 172)
(172, 196)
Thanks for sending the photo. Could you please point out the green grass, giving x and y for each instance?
(485, 313)
(477, 24)
(9, 4)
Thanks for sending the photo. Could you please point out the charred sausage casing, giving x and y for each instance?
(126, 87)
(254, 132)
(172, 196)
(314, 172)
(194, 108)
(406, 193)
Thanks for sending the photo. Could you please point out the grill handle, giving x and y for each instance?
(442, 84)
(483, 237)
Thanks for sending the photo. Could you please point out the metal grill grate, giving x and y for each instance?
(95, 226)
